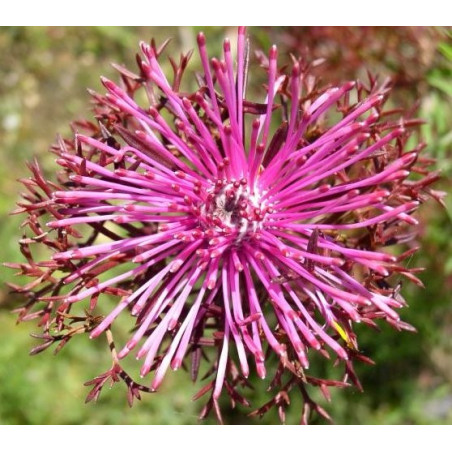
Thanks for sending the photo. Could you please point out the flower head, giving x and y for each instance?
(220, 223)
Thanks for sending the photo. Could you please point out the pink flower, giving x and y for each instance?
(207, 212)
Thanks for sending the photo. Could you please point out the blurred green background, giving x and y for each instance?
(44, 73)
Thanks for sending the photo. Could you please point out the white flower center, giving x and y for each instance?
(232, 207)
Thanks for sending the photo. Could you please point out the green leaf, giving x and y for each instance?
(444, 84)
(446, 49)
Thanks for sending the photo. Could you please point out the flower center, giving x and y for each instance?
(231, 207)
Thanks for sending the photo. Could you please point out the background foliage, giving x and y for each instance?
(43, 76)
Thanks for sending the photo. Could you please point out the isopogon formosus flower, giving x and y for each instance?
(230, 231)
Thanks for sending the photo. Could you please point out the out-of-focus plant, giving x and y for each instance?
(406, 54)
(436, 107)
